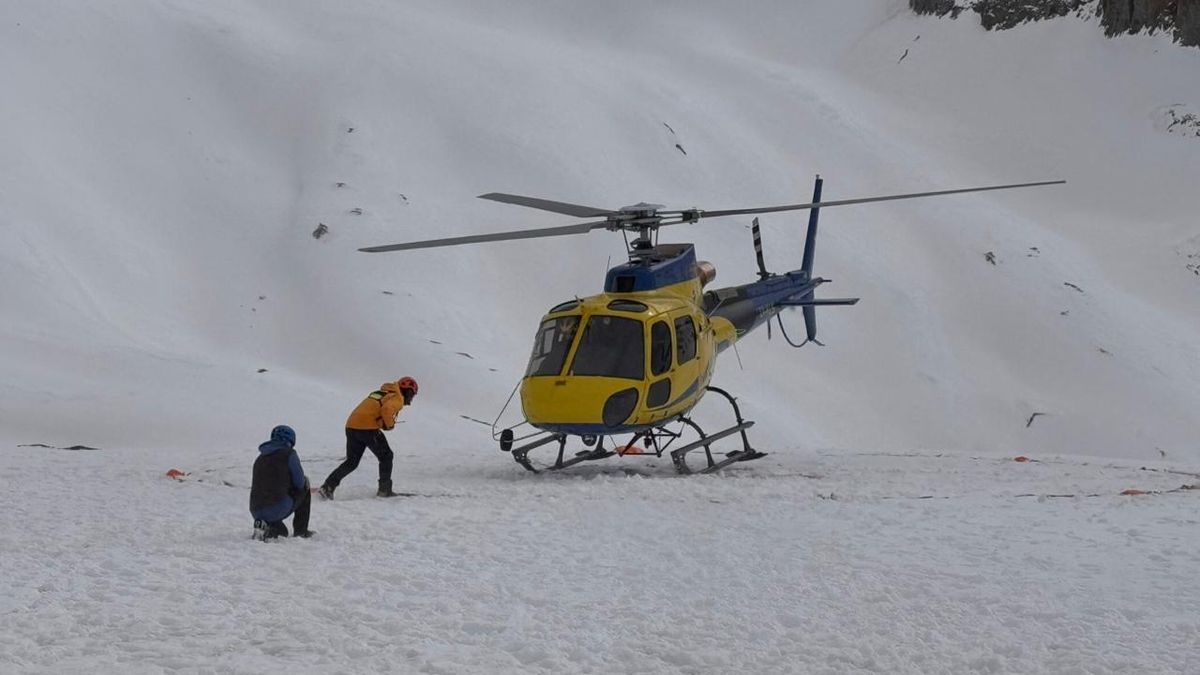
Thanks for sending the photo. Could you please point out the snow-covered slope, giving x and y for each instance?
(166, 164)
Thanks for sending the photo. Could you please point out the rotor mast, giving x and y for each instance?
(643, 219)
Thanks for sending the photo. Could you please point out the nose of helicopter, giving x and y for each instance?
(589, 403)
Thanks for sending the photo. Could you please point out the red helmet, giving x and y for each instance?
(407, 383)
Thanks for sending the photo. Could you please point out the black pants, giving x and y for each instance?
(301, 503)
(358, 440)
(300, 513)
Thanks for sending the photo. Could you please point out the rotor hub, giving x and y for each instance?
(641, 210)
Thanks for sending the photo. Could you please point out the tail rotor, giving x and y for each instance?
(758, 253)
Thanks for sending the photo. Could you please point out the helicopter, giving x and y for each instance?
(636, 359)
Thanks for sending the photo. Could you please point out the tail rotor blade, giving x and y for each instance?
(758, 252)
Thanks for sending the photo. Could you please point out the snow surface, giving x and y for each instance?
(830, 563)
(165, 163)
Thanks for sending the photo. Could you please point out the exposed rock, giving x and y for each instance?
(1187, 22)
(1003, 14)
(1190, 251)
(938, 7)
(1000, 14)
(1177, 119)
(1134, 16)
(1117, 16)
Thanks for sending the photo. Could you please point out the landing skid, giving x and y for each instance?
(521, 454)
(747, 453)
(659, 439)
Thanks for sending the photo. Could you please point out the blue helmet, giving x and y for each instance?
(284, 433)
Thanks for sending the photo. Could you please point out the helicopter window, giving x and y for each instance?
(658, 393)
(611, 346)
(660, 348)
(685, 333)
(627, 306)
(551, 346)
(626, 283)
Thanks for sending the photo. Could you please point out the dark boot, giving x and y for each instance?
(385, 490)
(326, 491)
(275, 530)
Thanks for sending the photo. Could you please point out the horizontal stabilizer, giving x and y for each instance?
(819, 303)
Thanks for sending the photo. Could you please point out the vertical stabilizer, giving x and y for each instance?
(810, 247)
(810, 240)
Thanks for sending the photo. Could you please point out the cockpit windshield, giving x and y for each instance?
(611, 346)
(550, 347)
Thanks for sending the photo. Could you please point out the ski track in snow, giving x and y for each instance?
(798, 563)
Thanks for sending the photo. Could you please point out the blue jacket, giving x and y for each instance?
(278, 480)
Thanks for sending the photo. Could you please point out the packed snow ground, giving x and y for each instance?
(165, 164)
(812, 563)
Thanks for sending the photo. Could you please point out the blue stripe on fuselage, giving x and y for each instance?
(750, 305)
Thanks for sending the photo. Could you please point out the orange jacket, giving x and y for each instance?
(378, 410)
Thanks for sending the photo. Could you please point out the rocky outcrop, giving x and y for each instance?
(1187, 22)
(1134, 16)
(1117, 16)
(1002, 14)
(939, 7)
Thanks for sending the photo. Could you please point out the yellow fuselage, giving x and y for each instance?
(658, 345)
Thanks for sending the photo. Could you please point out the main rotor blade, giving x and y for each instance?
(580, 228)
(577, 210)
(865, 200)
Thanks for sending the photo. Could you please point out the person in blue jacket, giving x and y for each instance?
(279, 488)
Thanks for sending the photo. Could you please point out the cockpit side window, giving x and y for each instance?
(685, 336)
(660, 348)
(611, 346)
(551, 345)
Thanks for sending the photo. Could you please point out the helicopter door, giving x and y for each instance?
(687, 366)
(661, 349)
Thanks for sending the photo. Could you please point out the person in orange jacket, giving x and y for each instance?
(364, 429)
